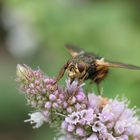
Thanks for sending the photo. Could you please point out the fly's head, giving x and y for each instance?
(76, 70)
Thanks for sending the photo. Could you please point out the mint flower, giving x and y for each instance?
(38, 118)
(74, 114)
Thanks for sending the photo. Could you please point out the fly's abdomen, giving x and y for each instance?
(100, 75)
(91, 71)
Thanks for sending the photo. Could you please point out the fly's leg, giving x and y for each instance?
(59, 76)
(99, 89)
(98, 85)
(80, 81)
(61, 72)
(89, 87)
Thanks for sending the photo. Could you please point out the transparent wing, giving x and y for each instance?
(73, 50)
(106, 63)
(123, 65)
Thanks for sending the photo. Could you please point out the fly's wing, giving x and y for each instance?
(123, 65)
(101, 62)
(74, 50)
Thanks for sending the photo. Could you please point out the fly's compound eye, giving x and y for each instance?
(81, 67)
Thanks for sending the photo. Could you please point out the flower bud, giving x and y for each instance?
(52, 97)
(64, 125)
(73, 100)
(65, 104)
(70, 128)
(80, 98)
(48, 105)
(22, 72)
(80, 131)
(55, 105)
(69, 110)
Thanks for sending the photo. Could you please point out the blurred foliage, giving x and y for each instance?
(109, 28)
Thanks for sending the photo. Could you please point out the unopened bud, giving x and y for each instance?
(22, 72)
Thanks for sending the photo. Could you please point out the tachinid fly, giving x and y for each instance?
(84, 65)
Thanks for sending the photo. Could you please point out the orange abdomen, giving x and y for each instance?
(100, 75)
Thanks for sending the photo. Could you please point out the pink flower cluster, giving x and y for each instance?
(77, 115)
(103, 120)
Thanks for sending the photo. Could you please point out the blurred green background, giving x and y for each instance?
(34, 33)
